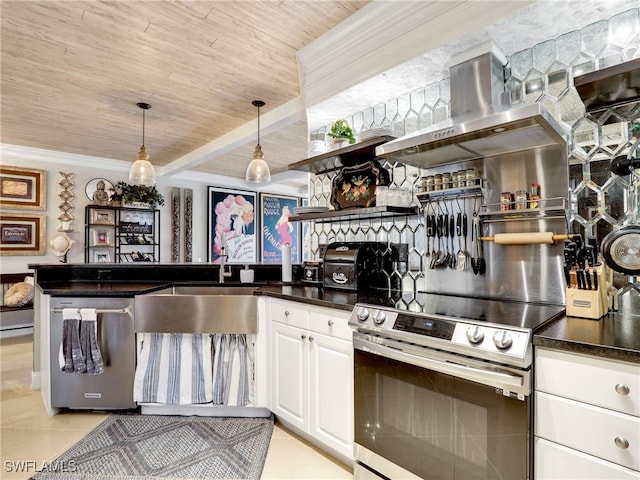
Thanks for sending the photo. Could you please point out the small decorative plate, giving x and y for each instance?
(355, 187)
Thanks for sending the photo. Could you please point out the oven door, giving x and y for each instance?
(421, 413)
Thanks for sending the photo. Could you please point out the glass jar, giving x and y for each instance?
(437, 181)
(521, 200)
(505, 201)
(446, 180)
(470, 176)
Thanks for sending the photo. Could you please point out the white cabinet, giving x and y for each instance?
(290, 371)
(312, 374)
(587, 417)
(331, 392)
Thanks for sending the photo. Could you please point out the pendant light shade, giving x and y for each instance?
(258, 170)
(142, 172)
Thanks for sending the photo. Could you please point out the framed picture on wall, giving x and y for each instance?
(102, 217)
(276, 229)
(101, 237)
(101, 256)
(22, 235)
(232, 221)
(23, 188)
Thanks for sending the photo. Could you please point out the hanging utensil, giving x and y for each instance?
(445, 235)
(452, 234)
(434, 226)
(461, 260)
(477, 262)
(437, 225)
(429, 231)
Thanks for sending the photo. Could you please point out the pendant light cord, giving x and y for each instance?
(143, 107)
(258, 103)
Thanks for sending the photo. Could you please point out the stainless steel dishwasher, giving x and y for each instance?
(113, 388)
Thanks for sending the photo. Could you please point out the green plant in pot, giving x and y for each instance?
(340, 129)
(128, 194)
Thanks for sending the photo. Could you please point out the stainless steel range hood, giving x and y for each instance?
(481, 125)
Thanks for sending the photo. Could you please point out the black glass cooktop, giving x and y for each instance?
(514, 314)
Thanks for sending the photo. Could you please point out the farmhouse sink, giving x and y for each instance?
(198, 309)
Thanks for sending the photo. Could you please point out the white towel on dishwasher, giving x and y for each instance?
(173, 369)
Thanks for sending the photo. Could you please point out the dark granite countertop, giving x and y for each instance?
(615, 336)
(317, 296)
(100, 289)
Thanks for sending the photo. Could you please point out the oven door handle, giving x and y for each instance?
(505, 381)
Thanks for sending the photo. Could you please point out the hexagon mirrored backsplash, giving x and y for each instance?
(599, 200)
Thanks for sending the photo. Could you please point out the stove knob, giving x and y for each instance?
(475, 335)
(379, 318)
(363, 314)
(502, 339)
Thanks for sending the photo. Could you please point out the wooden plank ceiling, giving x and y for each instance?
(73, 71)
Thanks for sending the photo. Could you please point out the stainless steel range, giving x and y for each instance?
(445, 392)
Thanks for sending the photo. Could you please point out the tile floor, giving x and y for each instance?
(30, 436)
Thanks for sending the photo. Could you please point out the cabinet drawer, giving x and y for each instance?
(290, 313)
(590, 429)
(555, 462)
(606, 383)
(330, 322)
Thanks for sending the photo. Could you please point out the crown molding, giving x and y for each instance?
(62, 158)
(385, 34)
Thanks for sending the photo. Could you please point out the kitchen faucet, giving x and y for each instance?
(223, 258)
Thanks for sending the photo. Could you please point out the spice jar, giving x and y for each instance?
(534, 196)
(437, 181)
(521, 200)
(470, 174)
(505, 201)
(446, 180)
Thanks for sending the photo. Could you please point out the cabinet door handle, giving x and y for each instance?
(286, 313)
(621, 442)
(330, 323)
(311, 339)
(303, 337)
(622, 389)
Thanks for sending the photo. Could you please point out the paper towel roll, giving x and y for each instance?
(286, 262)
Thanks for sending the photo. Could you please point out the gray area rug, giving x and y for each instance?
(133, 447)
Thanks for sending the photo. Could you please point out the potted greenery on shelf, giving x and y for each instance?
(127, 194)
(341, 131)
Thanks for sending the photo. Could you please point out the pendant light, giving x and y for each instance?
(142, 172)
(258, 170)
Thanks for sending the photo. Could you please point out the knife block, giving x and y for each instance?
(592, 304)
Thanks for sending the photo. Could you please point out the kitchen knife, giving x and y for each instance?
(567, 275)
(590, 255)
(570, 254)
(587, 277)
(577, 239)
(580, 277)
(595, 279)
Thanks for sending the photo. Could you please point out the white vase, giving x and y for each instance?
(340, 142)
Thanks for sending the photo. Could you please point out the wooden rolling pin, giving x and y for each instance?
(525, 238)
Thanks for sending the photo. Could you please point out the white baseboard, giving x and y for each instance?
(35, 380)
